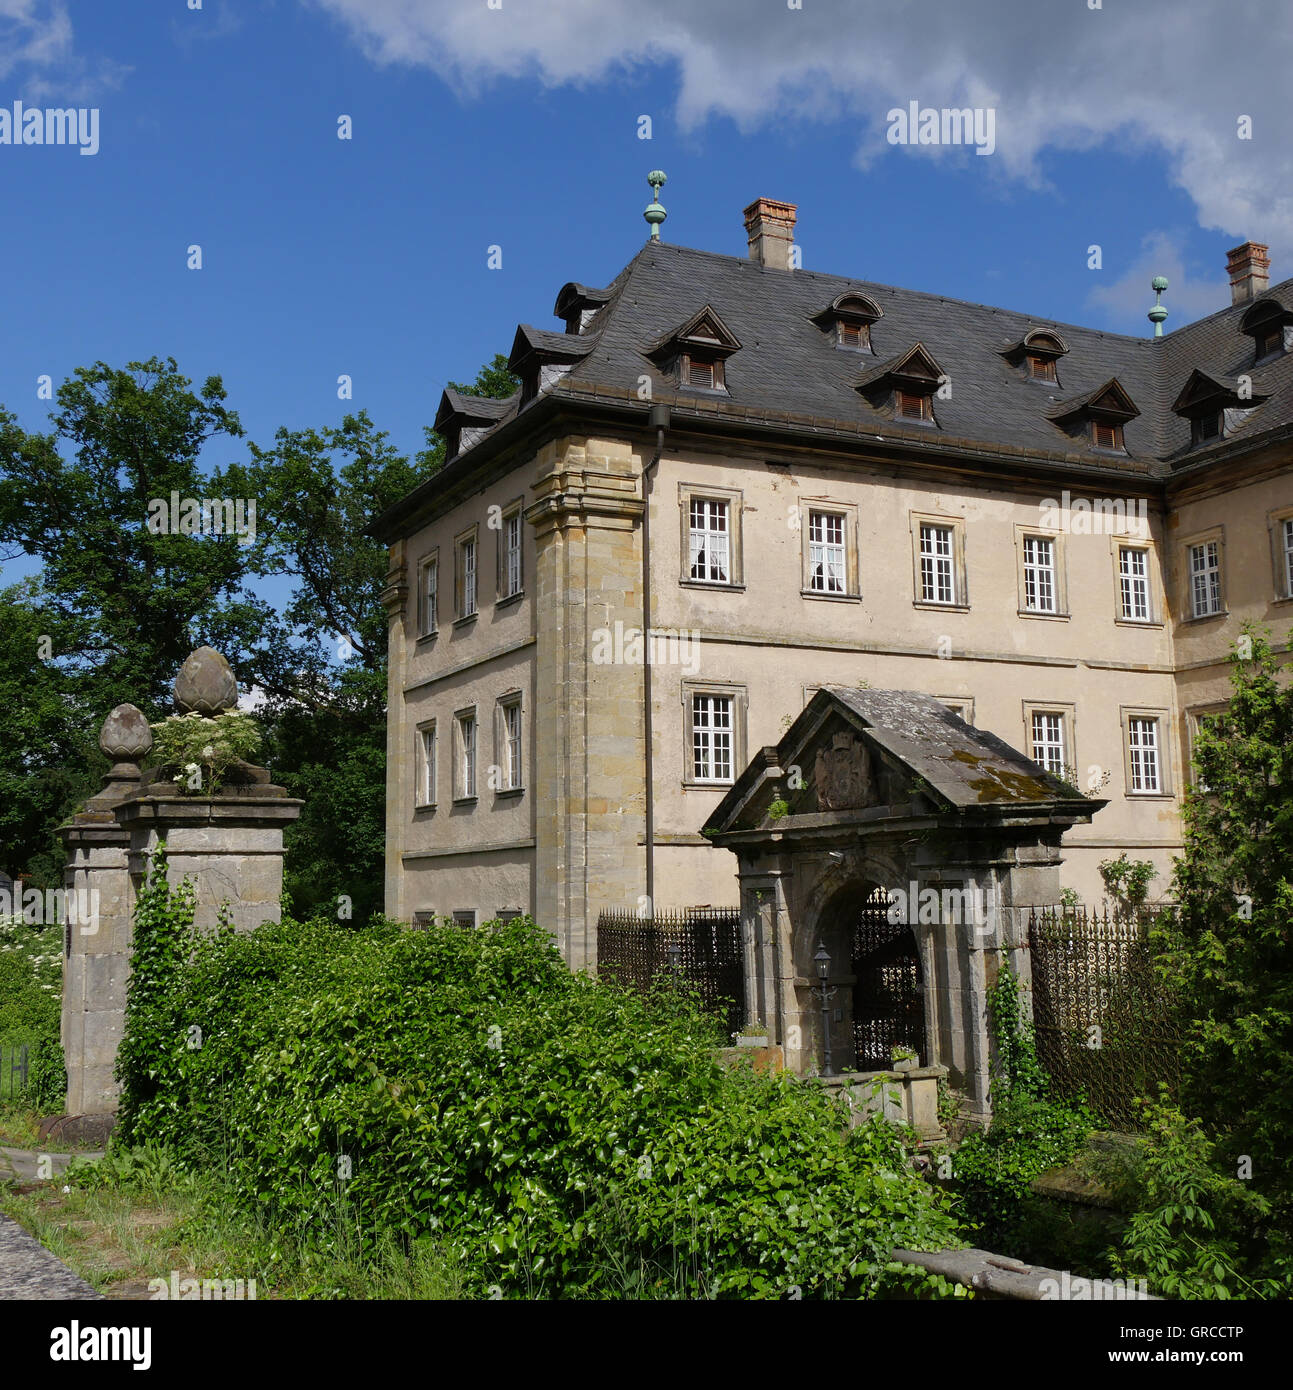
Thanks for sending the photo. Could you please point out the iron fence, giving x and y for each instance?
(15, 1066)
(1105, 1025)
(701, 944)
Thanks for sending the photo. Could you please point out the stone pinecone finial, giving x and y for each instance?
(206, 684)
(126, 739)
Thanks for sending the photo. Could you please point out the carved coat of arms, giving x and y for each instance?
(843, 773)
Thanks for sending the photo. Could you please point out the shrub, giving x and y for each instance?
(559, 1135)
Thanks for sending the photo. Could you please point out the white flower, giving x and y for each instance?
(66, 1188)
(208, 752)
(191, 768)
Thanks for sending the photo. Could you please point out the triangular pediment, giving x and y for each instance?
(704, 330)
(861, 756)
(1204, 390)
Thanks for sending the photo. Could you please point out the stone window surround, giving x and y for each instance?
(739, 695)
(735, 499)
(961, 705)
(1185, 582)
(960, 575)
(1275, 520)
(1059, 552)
(1163, 718)
(459, 913)
(460, 793)
(470, 534)
(509, 698)
(1068, 726)
(511, 510)
(1153, 571)
(830, 507)
(425, 632)
(419, 763)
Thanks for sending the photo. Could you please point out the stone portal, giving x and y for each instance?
(910, 846)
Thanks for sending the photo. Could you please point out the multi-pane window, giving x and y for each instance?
(1039, 574)
(709, 540)
(512, 768)
(1048, 741)
(1286, 533)
(426, 769)
(512, 555)
(428, 595)
(1205, 579)
(1133, 583)
(711, 738)
(826, 562)
(465, 917)
(1143, 754)
(937, 581)
(466, 756)
(467, 577)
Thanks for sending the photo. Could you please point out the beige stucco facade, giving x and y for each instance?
(570, 841)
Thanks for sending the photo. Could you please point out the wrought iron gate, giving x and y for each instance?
(889, 997)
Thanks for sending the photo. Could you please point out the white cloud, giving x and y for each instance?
(1187, 297)
(37, 50)
(1154, 75)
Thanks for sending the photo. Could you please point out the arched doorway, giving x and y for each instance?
(889, 993)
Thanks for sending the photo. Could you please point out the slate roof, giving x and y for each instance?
(789, 370)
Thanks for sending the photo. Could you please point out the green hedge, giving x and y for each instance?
(562, 1136)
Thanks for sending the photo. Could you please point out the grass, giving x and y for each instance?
(134, 1219)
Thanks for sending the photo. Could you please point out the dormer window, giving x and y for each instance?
(578, 305)
(848, 319)
(697, 351)
(1205, 427)
(541, 358)
(1038, 351)
(1106, 435)
(1268, 324)
(911, 406)
(1098, 415)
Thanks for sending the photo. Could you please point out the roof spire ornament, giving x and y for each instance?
(654, 213)
(1157, 314)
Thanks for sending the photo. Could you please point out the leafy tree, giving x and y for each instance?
(1226, 948)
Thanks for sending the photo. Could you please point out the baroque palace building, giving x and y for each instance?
(1055, 531)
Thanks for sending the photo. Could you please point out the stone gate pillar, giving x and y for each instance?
(230, 842)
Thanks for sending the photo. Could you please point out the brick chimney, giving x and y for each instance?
(1250, 271)
(770, 226)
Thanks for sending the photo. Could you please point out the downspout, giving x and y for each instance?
(659, 419)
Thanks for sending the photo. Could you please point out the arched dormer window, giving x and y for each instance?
(1270, 325)
(1038, 352)
(847, 319)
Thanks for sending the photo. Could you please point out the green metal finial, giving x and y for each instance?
(1157, 314)
(654, 213)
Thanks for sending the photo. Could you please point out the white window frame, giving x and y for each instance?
(1194, 721)
(1127, 580)
(845, 548)
(466, 753)
(733, 499)
(427, 756)
(709, 543)
(511, 554)
(466, 549)
(927, 562)
(1136, 724)
(1281, 529)
(733, 735)
(828, 563)
(1286, 546)
(1207, 579)
(1041, 578)
(1047, 736)
(510, 732)
(429, 594)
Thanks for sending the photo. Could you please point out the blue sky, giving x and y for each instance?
(518, 127)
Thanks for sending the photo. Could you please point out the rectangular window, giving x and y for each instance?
(1105, 435)
(1048, 741)
(711, 738)
(464, 917)
(1215, 723)
(1205, 579)
(912, 406)
(708, 375)
(854, 335)
(1041, 368)
(1286, 533)
(512, 555)
(708, 540)
(428, 595)
(937, 583)
(508, 914)
(826, 562)
(1206, 427)
(467, 577)
(426, 767)
(1039, 574)
(1143, 754)
(1133, 583)
(512, 768)
(466, 757)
